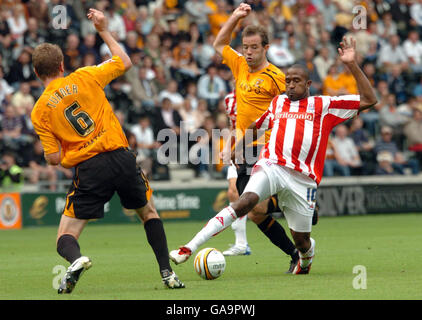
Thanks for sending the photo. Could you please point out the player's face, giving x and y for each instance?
(297, 84)
(253, 51)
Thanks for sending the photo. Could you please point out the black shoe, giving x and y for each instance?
(294, 261)
(73, 274)
(315, 216)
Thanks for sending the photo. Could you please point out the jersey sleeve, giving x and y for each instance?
(344, 107)
(40, 120)
(106, 71)
(266, 121)
(232, 59)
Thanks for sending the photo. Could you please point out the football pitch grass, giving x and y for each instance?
(387, 247)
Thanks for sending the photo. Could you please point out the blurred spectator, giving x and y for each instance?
(11, 133)
(17, 23)
(11, 175)
(364, 144)
(211, 87)
(22, 99)
(400, 11)
(172, 94)
(198, 12)
(40, 170)
(413, 48)
(6, 90)
(279, 55)
(167, 117)
(416, 13)
(33, 36)
(386, 144)
(152, 47)
(71, 54)
(192, 95)
(144, 93)
(116, 22)
(389, 116)
(413, 132)
(88, 47)
(347, 154)
(386, 26)
(331, 165)
(385, 164)
(307, 61)
(219, 17)
(22, 71)
(397, 83)
(323, 61)
(381, 7)
(146, 144)
(200, 152)
(391, 54)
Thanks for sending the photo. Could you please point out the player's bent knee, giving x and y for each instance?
(147, 212)
(256, 218)
(245, 203)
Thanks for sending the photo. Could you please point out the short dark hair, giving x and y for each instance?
(252, 30)
(47, 59)
(301, 67)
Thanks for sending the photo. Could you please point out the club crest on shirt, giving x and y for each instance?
(257, 86)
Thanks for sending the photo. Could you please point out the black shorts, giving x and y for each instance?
(96, 180)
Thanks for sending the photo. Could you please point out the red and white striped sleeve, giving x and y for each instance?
(344, 107)
(266, 121)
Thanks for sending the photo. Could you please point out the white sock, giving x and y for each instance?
(221, 221)
(239, 228)
(306, 258)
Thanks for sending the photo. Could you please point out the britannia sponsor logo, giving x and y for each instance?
(295, 115)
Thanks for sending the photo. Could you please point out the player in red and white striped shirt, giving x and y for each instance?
(292, 162)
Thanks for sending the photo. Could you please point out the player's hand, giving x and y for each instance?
(99, 19)
(242, 11)
(347, 50)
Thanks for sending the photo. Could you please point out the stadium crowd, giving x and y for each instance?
(177, 76)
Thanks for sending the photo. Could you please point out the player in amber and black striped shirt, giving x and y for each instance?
(78, 128)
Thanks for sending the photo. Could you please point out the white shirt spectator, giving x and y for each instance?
(391, 55)
(175, 97)
(413, 50)
(116, 23)
(279, 55)
(347, 150)
(145, 136)
(5, 89)
(416, 12)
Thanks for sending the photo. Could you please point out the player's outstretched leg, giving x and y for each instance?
(215, 225)
(157, 240)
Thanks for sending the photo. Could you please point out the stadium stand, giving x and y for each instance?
(177, 75)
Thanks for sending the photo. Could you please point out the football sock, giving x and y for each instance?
(239, 228)
(157, 240)
(215, 225)
(68, 248)
(306, 258)
(275, 232)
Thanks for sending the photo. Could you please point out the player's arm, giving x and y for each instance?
(53, 158)
(224, 37)
(101, 24)
(347, 52)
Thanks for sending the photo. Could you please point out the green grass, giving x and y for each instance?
(124, 267)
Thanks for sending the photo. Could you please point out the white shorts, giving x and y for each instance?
(296, 192)
(232, 172)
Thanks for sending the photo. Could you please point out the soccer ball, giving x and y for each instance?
(209, 263)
